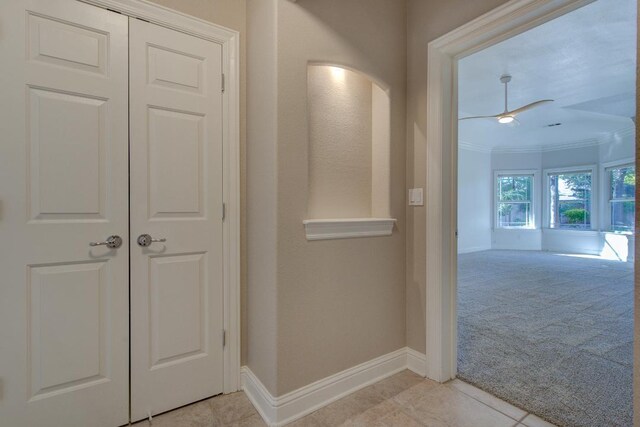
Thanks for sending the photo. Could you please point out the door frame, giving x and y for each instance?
(229, 40)
(506, 21)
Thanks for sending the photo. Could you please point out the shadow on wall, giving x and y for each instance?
(416, 250)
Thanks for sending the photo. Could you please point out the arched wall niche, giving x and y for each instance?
(349, 152)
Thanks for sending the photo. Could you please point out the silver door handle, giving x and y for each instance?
(145, 240)
(113, 242)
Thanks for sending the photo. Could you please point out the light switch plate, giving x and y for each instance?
(415, 197)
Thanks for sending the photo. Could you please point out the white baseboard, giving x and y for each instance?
(473, 249)
(416, 362)
(278, 411)
(259, 396)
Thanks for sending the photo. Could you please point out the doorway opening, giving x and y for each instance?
(545, 214)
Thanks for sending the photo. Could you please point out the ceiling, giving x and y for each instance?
(584, 60)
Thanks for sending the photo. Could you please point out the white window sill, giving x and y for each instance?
(347, 228)
(571, 231)
(517, 228)
(619, 233)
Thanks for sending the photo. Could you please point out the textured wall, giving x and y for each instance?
(228, 13)
(339, 112)
(427, 20)
(380, 151)
(338, 303)
(260, 331)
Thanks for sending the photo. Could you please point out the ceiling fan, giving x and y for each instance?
(509, 116)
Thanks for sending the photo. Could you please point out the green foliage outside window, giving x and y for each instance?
(570, 200)
(576, 216)
(514, 200)
(622, 198)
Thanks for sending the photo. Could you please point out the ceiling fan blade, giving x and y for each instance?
(480, 117)
(528, 107)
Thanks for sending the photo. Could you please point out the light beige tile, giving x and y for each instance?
(489, 399)
(373, 415)
(252, 421)
(196, 415)
(535, 421)
(396, 384)
(415, 392)
(399, 419)
(308, 421)
(341, 410)
(230, 408)
(338, 412)
(446, 406)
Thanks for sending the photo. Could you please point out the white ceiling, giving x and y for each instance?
(585, 61)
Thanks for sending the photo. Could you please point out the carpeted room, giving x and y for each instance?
(549, 333)
(546, 205)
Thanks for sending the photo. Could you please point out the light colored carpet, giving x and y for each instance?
(549, 333)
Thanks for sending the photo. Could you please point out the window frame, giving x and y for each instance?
(593, 208)
(606, 192)
(534, 174)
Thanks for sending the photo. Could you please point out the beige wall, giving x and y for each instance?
(341, 302)
(230, 14)
(260, 332)
(427, 20)
(340, 116)
(380, 151)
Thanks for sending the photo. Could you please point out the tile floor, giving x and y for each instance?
(404, 399)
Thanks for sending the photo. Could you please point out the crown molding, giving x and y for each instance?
(465, 145)
(589, 142)
(625, 131)
(584, 143)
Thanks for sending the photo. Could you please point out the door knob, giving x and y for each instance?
(113, 242)
(145, 240)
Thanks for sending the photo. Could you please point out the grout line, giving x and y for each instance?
(489, 406)
(523, 417)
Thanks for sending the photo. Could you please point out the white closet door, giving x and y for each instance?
(176, 194)
(63, 183)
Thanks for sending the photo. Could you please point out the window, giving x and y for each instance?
(622, 202)
(570, 200)
(514, 195)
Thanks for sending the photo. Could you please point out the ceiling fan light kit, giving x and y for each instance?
(507, 116)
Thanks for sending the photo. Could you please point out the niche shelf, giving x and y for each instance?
(349, 155)
(346, 228)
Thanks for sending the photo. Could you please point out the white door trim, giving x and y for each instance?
(512, 18)
(229, 39)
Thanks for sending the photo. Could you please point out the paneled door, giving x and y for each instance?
(176, 219)
(64, 327)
